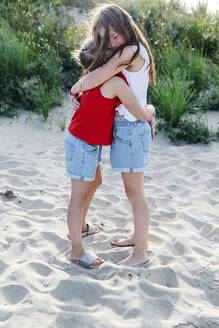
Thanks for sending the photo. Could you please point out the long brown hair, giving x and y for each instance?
(87, 55)
(106, 16)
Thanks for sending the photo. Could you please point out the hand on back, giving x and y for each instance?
(75, 101)
(150, 110)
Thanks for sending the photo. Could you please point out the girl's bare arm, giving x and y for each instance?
(129, 100)
(105, 72)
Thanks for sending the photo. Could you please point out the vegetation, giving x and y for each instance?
(37, 36)
(186, 51)
(192, 129)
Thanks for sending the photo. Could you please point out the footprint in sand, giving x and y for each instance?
(14, 294)
(163, 276)
(40, 268)
(73, 290)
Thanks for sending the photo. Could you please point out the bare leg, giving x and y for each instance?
(74, 217)
(92, 189)
(134, 187)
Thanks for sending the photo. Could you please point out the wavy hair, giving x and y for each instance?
(106, 16)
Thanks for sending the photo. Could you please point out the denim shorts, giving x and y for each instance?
(82, 158)
(131, 145)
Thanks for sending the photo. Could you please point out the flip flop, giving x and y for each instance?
(91, 230)
(135, 266)
(86, 260)
(118, 240)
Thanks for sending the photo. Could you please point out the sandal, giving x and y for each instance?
(115, 242)
(87, 259)
(91, 230)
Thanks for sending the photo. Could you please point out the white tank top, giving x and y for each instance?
(138, 82)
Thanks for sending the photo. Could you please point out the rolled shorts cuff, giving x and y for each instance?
(87, 179)
(129, 170)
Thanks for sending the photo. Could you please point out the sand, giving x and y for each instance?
(41, 288)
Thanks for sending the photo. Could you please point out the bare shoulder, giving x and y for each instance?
(127, 53)
(115, 81)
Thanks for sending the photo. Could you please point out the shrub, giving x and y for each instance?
(172, 61)
(28, 93)
(47, 68)
(171, 96)
(7, 109)
(37, 96)
(46, 100)
(13, 57)
(197, 71)
(35, 59)
(192, 129)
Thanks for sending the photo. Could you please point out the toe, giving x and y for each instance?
(114, 241)
(97, 262)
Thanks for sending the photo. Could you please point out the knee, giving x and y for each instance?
(77, 201)
(134, 196)
(130, 194)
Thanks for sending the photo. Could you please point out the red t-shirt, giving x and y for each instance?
(93, 121)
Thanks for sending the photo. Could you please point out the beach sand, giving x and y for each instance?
(40, 288)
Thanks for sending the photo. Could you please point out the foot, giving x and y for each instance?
(89, 229)
(87, 260)
(123, 242)
(135, 260)
(85, 227)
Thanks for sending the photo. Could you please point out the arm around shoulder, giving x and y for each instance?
(115, 65)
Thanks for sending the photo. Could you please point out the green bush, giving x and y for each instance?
(13, 57)
(28, 93)
(197, 71)
(171, 97)
(35, 43)
(172, 61)
(192, 129)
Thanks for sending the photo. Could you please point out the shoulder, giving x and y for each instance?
(115, 82)
(128, 52)
(125, 54)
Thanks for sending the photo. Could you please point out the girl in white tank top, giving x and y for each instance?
(114, 29)
(138, 82)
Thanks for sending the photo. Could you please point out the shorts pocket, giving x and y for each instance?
(89, 148)
(121, 134)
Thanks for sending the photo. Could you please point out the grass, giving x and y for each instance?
(13, 56)
(172, 96)
(62, 123)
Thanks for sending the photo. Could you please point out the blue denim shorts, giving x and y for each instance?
(131, 145)
(82, 158)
